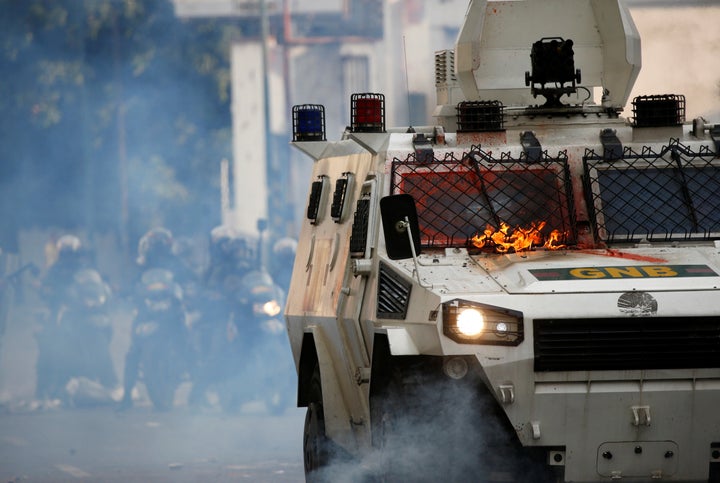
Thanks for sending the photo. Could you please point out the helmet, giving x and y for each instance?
(69, 250)
(228, 245)
(68, 244)
(156, 243)
(285, 248)
(220, 239)
(222, 232)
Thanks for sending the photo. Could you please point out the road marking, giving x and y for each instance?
(15, 441)
(73, 471)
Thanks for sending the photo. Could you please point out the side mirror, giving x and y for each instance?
(395, 210)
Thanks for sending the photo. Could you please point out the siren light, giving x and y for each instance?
(368, 112)
(308, 122)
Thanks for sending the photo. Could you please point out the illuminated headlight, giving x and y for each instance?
(470, 322)
(473, 323)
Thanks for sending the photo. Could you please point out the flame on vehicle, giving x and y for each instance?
(518, 239)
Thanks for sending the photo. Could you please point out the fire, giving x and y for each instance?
(505, 239)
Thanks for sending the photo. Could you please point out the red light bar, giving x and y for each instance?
(368, 112)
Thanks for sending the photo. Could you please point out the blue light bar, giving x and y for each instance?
(308, 122)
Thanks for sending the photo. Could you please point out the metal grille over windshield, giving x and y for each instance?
(665, 196)
(458, 199)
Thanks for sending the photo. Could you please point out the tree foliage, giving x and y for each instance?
(114, 115)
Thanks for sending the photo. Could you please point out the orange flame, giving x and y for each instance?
(518, 239)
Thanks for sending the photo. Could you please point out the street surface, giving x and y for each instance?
(141, 445)
(42, 442)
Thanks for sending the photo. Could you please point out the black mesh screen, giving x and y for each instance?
(479, 116)
(658, 110)
(359, 234)
(626, 343)
(457, 198)
(668, 195)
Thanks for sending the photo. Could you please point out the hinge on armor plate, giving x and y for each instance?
(507, 393)
(362, 375)
(641, 415)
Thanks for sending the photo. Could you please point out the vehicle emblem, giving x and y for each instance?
(637, 304)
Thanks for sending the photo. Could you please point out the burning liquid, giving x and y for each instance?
(505, 239)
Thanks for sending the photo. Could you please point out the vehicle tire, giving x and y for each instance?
(325, 461)
(316, 454)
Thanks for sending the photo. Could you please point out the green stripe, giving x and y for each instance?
(623, 272)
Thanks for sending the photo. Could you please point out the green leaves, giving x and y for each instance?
(116, 96)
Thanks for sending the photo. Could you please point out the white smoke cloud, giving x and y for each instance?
(679, 56)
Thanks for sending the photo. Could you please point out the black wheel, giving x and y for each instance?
(316, 445)
(325, 461)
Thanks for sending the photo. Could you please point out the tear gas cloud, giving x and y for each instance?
(440, 430)
(678, 49)
(111, 125)
(107, 142)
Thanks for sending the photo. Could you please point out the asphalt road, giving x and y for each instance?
(141, 445)
(41, 442)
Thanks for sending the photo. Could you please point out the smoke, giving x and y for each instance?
(679, 47)
(102, 137)
(108, 127)
(430, 428)
(112, 120)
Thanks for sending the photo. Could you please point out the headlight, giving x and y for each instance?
(473, 323)
(470, 322)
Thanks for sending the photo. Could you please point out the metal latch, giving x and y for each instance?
(535, 429)
(612, 147)
(507, 393)
(641, 415)
(423, 149)
(362, 375)
(531, 147)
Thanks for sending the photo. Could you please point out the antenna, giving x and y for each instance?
(407, 81)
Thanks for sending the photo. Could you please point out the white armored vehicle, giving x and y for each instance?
(528, 290)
